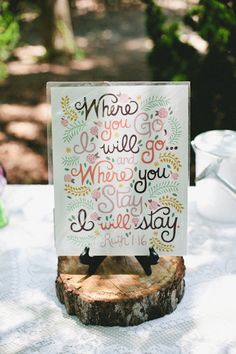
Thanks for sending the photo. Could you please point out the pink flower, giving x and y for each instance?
(96, 194)
(94, 216)
(152, 205)
(162, 113)
(91, 158)
(64, 121)
(68, 178)
(123, 98)
(135, 221)
(174, 175)
(94, 131)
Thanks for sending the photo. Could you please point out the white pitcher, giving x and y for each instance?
(216, 175)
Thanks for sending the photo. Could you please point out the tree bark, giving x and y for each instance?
(57, 32)
(120, 293)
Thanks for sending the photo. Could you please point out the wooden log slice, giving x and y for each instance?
(120, 293)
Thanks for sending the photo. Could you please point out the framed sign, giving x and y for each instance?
(120, 167)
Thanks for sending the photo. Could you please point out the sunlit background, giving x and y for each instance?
(119, 40)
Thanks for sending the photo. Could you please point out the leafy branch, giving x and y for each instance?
(72, 130)
(67, 109)
(172, 159)
(160, 246)
(175, 127)
(70, 161)
(81, 241)
(153, 102)
(78, 203)
(76, 191)
(172, 202)
(163, 187)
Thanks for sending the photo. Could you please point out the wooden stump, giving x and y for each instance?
(120, 293)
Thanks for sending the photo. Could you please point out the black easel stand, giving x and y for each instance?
(94, 262)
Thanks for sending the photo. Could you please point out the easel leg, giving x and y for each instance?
(92, 262)
(147, 261)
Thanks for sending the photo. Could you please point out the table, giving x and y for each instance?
(33, 321)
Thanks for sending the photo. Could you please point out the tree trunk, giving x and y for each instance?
(120, 293)
(57, 32)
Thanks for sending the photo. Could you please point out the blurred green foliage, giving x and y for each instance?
(9, 36)
(212, 74)
(215, 21)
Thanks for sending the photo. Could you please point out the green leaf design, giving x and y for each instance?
(153, 102)
(72, 130)
(175, 127)
(68, 111)
(78, 203)
(163, 187)
(69, 161)
(81, 241)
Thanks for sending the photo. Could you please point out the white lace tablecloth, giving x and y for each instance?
(33, 321)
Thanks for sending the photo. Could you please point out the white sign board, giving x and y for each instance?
(120, 167)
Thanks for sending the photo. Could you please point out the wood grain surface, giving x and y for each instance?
(120, 293)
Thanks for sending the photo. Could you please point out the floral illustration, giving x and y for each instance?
(94, 131)
(135, 221)
(94, 216)
(68, 178)
(96, 194)
(64, 121)
(152, 204)
(162, 112)
(174, 175)
(123, 98)
(98, 123)
(91, 158)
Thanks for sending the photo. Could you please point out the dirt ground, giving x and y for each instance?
(115, 48)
